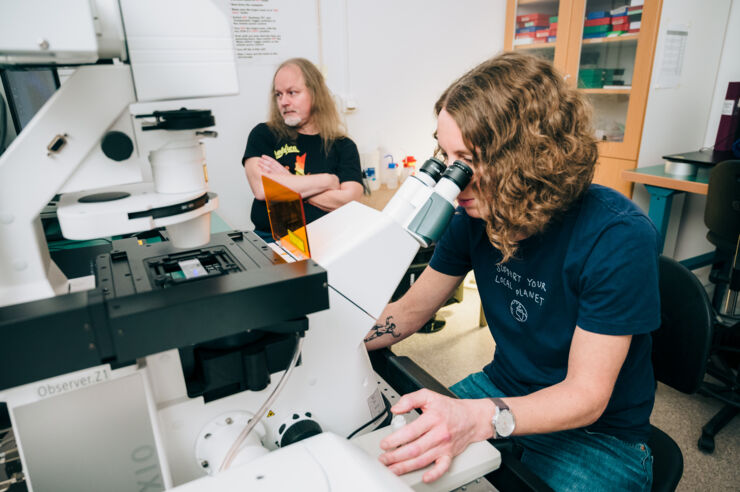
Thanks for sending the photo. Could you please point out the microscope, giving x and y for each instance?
(203, 361)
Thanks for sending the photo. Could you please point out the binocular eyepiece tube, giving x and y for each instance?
(454, 180)
(424, 203)
(431, 171)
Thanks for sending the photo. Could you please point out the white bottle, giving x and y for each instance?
(392, 175)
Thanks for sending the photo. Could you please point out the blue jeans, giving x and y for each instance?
(574, 460)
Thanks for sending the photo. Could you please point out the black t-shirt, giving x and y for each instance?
(304, 156)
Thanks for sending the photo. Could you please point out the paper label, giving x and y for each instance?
(375, 403)
(285, 255)
(727, 107)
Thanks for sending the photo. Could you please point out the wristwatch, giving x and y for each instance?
(503, 420)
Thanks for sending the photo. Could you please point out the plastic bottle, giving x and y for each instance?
(392, 175)
(370, 162)
(372, 179)
(409, 167)
(390, 172)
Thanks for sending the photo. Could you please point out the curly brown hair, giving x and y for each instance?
(324, 113)
(531, 141)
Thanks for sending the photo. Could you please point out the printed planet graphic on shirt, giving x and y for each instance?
(300, 164)
(522, 287)
(518, 311)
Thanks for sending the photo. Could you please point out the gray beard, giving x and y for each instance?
(292, 121)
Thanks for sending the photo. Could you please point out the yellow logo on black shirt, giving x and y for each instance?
(286, 149)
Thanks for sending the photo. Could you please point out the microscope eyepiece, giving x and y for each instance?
(434, 168)
(459, 173)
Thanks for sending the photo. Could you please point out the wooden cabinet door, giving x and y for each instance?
(539, 27)
(596, 52)
(614, 71)
(609, 173)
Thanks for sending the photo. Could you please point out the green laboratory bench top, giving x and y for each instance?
(656, 176)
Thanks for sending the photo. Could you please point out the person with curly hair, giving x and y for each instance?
(567, 273)
(302, 146)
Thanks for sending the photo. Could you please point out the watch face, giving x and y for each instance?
(505, 423)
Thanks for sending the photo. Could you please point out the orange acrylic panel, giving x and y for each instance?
(287, 218)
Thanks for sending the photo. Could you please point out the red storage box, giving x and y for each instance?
(597, 22)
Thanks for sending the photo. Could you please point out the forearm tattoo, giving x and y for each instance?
(379, 330)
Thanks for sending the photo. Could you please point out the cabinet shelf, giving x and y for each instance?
(606, 91)
(535, 46)
(616, 39)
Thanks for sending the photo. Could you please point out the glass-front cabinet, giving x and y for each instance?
(605, 48)
(534, 26)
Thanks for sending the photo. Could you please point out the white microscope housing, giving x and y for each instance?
(86, 140)
(101, 384)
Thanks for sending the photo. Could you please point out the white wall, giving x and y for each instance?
(686, 117)
(392, 58)
(237, 115)
(402, 55)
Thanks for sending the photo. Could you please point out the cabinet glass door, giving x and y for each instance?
(603, 47)
(609, 45)
(535, 25)
(613, 67)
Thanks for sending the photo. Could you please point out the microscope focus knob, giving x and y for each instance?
(301, 429)
(117, 146)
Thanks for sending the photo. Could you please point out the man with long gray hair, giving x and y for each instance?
(302, 146)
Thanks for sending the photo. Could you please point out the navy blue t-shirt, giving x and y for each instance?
(595, 267)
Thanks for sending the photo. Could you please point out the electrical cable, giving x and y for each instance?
(9, 457)
(7, 442)
(234, 449)
(16, 478)
(385, 412)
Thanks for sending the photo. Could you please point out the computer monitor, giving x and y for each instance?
(27, 89)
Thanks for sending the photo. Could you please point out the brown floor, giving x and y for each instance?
(462, 347)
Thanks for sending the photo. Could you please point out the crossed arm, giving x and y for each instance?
(323, 190)
(447, 425)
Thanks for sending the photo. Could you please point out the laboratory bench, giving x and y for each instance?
(662, 187)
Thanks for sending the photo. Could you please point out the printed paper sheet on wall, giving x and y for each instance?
(266, 32)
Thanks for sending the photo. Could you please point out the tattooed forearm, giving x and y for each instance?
(379, 330)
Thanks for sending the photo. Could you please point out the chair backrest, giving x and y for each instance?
(681, 345)
(722, 211)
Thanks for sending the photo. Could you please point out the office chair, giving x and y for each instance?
(680, 351)
(691, 342)
(722, 218)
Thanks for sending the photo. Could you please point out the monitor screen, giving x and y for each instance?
(27, 89)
